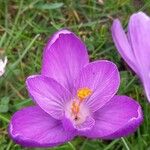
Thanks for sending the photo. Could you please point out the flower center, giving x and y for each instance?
(76, 107)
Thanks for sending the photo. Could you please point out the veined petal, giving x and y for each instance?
(32, 127)
(86, 125)
(139, 29)
(54, 38)
(119, 117)
(102, 78)
(123, 46)
(48, 94)
(135, 50)
(64, 56)
(139, 32)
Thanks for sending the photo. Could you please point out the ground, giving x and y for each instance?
(24, 29)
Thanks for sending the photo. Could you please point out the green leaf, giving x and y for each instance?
(48, 6)
(4, 105)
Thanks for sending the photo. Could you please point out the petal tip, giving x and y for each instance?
(31, 77)
(139, 16)
(55, 36)
(116, 24)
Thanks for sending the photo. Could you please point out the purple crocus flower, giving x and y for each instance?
(134, 46)
(73, 98)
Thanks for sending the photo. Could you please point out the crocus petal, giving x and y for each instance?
(86, 125)
(102, 77)
(139, 32)
(123, 46)
(32, 127)
(119, 117)
(135, 51)
(48, 94)
(67, 124)
(54, 38)
(64, 57)
(146, 83)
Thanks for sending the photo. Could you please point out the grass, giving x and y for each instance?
(25, 27)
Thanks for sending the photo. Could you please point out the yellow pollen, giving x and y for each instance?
(84, 93)
(75, 107)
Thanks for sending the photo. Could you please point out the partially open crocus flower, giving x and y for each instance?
(3, 65)
(134, 46)
(73, 98)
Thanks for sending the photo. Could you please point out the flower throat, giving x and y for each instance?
(82, 94)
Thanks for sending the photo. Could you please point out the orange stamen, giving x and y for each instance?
(84, 93)
(75, 107)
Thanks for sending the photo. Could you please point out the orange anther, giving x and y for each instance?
(75, 107)
(84, 93)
